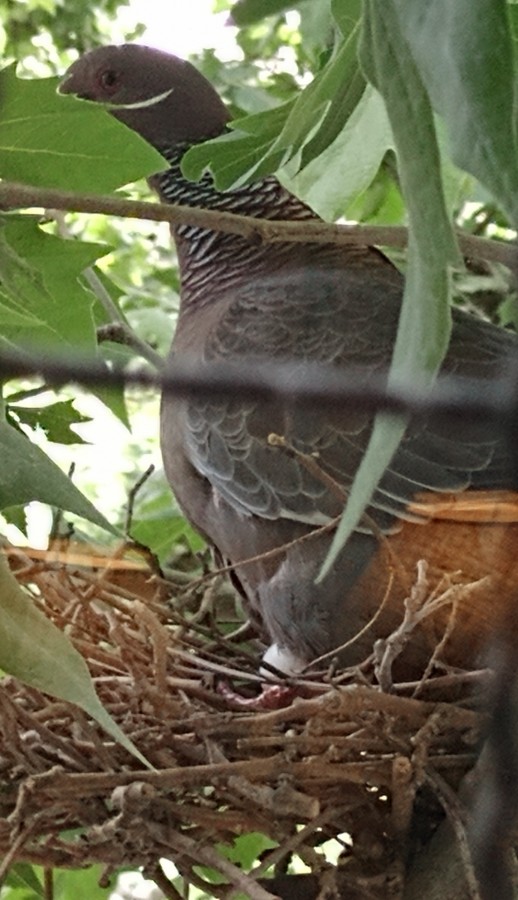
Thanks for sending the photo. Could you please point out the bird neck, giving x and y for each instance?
(213, 257)
(263, 199)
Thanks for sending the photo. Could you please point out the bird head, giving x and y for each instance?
(163, 98)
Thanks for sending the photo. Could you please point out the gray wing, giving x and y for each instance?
(342, 317)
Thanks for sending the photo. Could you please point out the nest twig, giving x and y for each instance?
(344, 758)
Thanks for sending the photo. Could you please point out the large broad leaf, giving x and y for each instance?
(27, 474)
(52, 140)
(35, 651)
(244, 153)
(425, 324)
(44, 302)
(465, 57)
(337, 89)
(298, 131)
(348, 165)
(40, 280)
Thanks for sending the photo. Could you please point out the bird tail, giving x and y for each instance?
(472, 506)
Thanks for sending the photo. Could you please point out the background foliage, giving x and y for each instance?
(327, 98)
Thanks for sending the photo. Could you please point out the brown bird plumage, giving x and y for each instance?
(302, 302)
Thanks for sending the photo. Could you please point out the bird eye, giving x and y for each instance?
(109, 79)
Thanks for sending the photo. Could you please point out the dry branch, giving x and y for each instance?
(21, 196)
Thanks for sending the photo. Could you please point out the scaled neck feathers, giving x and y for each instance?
(203, 253)
(265, 198)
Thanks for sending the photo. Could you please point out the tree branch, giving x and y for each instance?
(21, 196)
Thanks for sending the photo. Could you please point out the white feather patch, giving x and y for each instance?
(283, 660)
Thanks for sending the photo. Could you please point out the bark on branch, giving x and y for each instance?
(21, 196)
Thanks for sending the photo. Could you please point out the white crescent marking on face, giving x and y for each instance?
(142, 104)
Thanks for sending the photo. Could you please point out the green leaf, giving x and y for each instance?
(391, 69)
(296, 131)
(234, 158)
(381, 203)
(348, 165)
(52, 140)
(43, 301)
(28, 474)
(159, 526)
(465, 57)
(22, 875)
(341, 85)
(55, 420)
(39, 654)
(80, 884)
(40, 281)
(246, 12)
(316, 26)
(243, 852)
(347, 14)
(425, 321)
(247, 848)
(17, 516)
(21, 289)
(114, 399)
